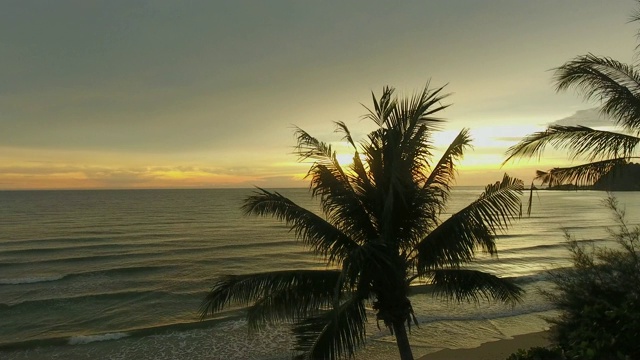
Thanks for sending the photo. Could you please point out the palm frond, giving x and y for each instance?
(365, 188)
(585, 174)
(614, 83)
(410, 126)
(429, 102)
(341, 127)
(545, 178)
(306, 296)
(430, 200)
(383, 107)
(334, 334)
(325, 164)
(398, 154)
(410, 113)
(417, 152)
(475, 226)
(279, 295)
(324, 238)
(407, 115)
(340, 201)
(308, 147)
(580, 141)
(374, 259)
(360, 182)
(415, 210)
(500, 202)
(472, 285)
(342, 204)
(443, 173)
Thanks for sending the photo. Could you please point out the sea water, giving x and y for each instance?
(120, 274)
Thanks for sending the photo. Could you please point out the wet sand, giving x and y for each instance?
(495, 350)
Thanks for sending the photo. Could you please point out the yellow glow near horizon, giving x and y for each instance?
(67, 170)
(481, 161)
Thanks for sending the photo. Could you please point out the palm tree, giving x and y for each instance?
(617, 86)
(380, 231)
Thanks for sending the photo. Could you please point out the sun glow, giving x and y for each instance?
(345, 160)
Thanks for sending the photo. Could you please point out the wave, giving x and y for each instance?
(52, 250)
(124, 270)
(31, 280)
(74, 240)
(256, 245)
(85, 339)
(142, 251)
(118, 295)
(506, 312)
(226, 317)
(123, 255)
(528, 279)
(532, 259)
(82, 241)
(115, 271)
(544, 275)
(558, 245)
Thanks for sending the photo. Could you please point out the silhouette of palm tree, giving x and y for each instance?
(380, 231)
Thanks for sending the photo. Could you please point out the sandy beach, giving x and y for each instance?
(495, 350)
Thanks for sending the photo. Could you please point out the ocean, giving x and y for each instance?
(120, 274)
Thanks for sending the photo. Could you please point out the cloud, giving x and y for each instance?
(39, 170)
(47, 176)
(589, 117)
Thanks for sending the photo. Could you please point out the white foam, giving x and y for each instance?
(30, 280)
(82, 339)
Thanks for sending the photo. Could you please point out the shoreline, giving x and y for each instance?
(494, 350)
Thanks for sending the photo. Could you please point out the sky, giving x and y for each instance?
(182, 94)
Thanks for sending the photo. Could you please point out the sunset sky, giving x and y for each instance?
(170, 94)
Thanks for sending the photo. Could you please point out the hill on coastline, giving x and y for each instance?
(621, 178)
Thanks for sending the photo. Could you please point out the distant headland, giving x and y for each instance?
(621, 178)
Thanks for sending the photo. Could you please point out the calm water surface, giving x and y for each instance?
(120, 274)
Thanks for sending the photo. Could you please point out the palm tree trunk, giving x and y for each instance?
(402, 340)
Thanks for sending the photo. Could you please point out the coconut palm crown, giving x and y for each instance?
(380, 231)
(617, 86)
